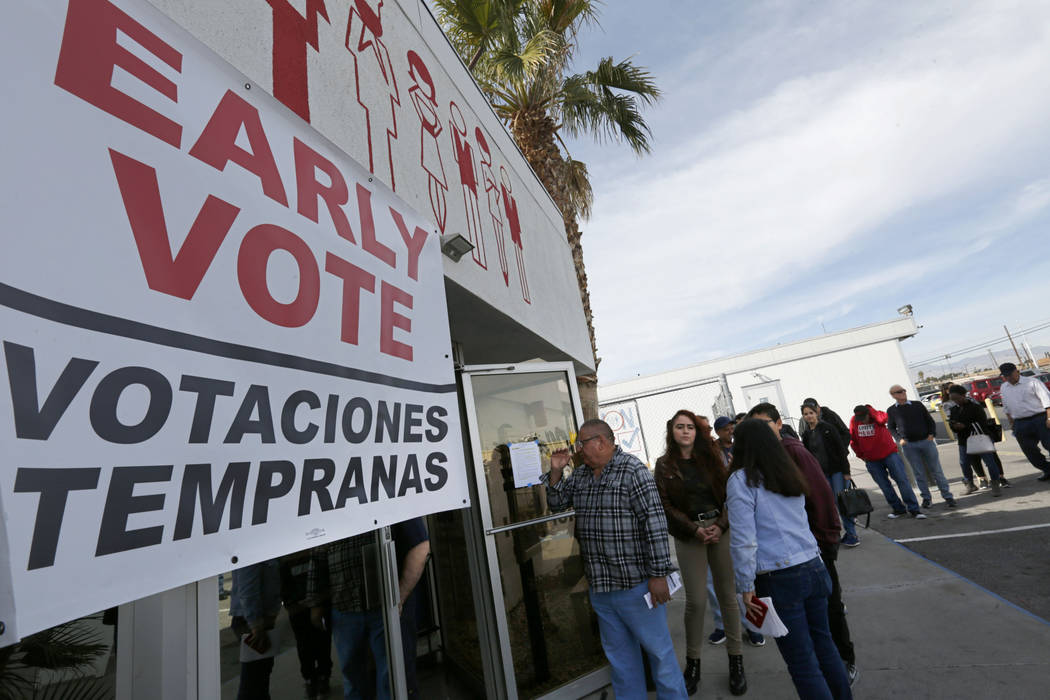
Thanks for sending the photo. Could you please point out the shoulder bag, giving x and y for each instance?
(853, 501)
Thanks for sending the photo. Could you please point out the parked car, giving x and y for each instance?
(932, 400)
(981, 389)
(997, 398)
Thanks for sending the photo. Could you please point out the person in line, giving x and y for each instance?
(825, 443)
(913, 428)
(691, 479)
(344, 576)
(255, 602)
(871, 441)
(826, 415)
(312, 644)
(1027, 404)
(947, 404)
(622, 533)
(965, 413)
(724, 441)
(775, 555)
(822, 515)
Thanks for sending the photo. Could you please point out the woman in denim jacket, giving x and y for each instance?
(775, 555)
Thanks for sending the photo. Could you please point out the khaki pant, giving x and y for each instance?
(693, 558)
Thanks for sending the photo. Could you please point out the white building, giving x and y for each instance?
(840, 370)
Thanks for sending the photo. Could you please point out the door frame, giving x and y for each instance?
(589, 682)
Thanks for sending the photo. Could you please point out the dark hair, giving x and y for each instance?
(711, 469)
(758, 451)
(1007, 368)
(601, 426)
(739, 417)
(804, 406)
(862, 411)
(956, 389)
(811, 402)
(766, 409)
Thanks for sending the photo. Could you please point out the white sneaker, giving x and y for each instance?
(919, 516)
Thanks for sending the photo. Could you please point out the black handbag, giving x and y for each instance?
(853, 501)
(993, 430)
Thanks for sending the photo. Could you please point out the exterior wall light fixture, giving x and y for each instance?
(905, 310)
(455, 246)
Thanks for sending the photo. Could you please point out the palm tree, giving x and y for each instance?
(521, 52)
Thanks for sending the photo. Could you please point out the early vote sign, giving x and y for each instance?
(221, 340)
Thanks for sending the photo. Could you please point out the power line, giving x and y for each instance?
(979, 346)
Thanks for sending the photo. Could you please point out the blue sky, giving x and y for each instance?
(821, 163)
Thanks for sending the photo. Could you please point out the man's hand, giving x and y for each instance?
(903, 442)
(658, 590)
(257, 639)
(559, 458)
(847, 478)
(931, 437)
(317, 617)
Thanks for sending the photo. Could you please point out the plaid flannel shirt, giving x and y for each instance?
(620, 523)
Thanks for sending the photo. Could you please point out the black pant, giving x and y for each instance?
(255, 680)
(837, 613)
(314, 646)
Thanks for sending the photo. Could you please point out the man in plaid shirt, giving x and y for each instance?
(623, 538)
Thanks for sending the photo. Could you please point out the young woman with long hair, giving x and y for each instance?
(691, 479)
(775, 555)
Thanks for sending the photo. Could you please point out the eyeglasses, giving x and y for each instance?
(899, 391)
(580, 442)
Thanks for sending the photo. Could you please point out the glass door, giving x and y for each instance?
(548, 634)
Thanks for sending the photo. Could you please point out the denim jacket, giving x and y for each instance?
(767, 531)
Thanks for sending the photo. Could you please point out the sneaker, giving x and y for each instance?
(919, 516)
(851, 671)
(755, 639)
(1004, 483)
(926, 503)
(717, 637)
(850, 541)
(951, 503)
(984, 483)
(996, 492)
(1044, 477)
(897, 514)
(970, 488)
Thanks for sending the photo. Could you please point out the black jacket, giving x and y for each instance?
(831, 418)
(826, 445)
(966, 414)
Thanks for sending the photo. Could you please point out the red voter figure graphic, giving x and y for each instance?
(292, 33)
(510, 205)
(376, 84)
(492, 192)
(424, 99)
(463, 152)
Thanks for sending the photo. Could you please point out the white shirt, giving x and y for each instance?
(1026, 398)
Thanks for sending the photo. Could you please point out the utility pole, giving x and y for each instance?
(995, 363)
(1020, 362)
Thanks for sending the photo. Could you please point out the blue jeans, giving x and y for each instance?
(838, 485)
(924, 452)
(712, 602)
(1030, 432)
(351, 632)
(800, 597)
(624, 622)
(881, 471)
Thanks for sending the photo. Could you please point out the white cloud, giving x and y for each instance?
(806, 175)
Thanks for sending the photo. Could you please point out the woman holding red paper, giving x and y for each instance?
(775, 555)
(691, 479)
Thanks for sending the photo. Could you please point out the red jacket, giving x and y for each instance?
(821, 510)
(872, 441)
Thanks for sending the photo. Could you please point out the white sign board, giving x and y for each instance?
(525, 463)
(627, 429)
(222, 339)
(380, 81)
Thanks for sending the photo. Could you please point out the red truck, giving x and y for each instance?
(981, 389)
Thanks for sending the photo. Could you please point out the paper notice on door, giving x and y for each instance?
(525, 463)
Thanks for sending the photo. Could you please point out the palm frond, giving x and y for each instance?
(607, 102)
